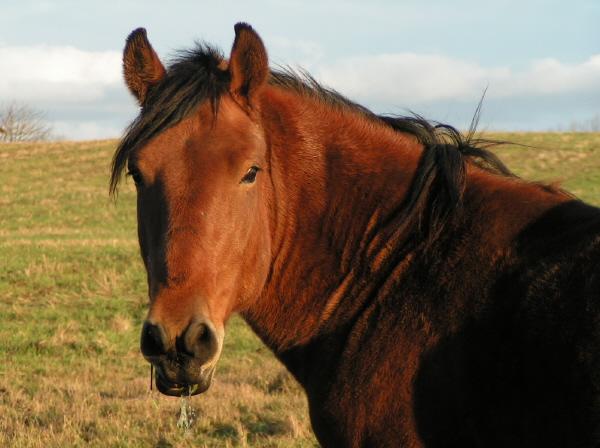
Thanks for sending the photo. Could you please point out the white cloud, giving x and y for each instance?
(53, 73)
(405, 79)
(81, 92)
(305, 53)
(550, 76)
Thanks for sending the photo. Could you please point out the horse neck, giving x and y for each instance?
(338, 179)
(336, 175)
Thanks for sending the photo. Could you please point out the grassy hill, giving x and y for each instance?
(72, 298)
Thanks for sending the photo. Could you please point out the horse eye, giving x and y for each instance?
(136, 176)
(250, 175)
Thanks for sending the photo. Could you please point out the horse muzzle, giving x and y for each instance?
(191, 385)
(186, 364)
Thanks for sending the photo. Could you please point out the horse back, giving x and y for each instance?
(475, 351)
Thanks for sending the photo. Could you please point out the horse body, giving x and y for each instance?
(420, 299)
(423, 350)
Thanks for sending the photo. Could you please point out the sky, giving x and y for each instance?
(538, 60)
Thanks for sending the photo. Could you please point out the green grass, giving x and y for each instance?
(572, 159)
(72, 299)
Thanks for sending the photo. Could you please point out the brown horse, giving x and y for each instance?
(420, 293)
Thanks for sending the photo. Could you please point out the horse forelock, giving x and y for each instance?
(193, 77)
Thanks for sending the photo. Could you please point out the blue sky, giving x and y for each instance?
(540, 60)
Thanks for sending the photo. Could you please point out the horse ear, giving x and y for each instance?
(141, 66)
(248, 64)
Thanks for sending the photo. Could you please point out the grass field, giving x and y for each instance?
(72, 298)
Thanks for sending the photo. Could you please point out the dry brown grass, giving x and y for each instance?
(91, 405)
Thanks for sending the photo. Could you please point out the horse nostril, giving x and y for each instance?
(154, 340)
(200, 340)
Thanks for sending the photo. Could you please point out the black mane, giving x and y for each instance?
(438, 184)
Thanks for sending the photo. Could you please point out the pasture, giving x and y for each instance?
(72, 299)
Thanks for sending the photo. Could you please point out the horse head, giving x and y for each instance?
(198, 157)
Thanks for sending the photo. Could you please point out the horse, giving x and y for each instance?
(420, 293)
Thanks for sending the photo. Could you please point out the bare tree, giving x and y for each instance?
(19, 122)
(591, 125)
(595, 123)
